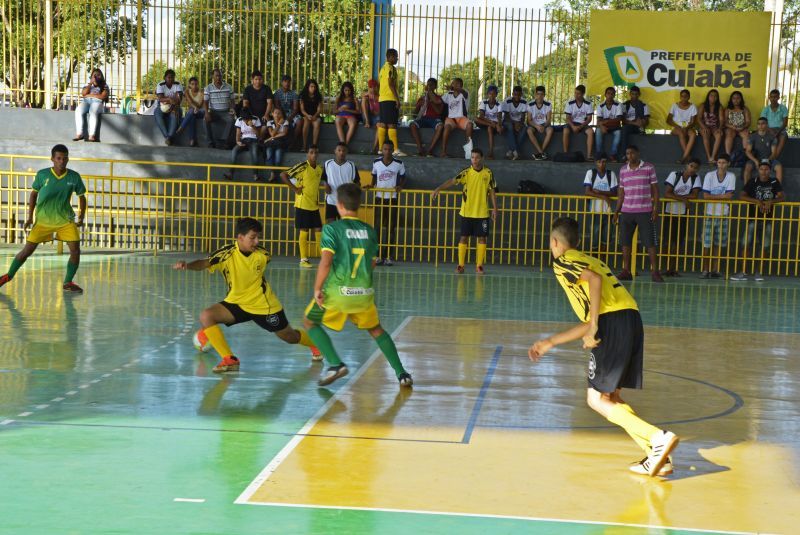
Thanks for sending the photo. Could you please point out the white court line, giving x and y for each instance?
(42, 407)
(190, 500)
(503, 517)
(24, 414)
(71, 393)
(281, 456)
(6, 422)
(57, 400)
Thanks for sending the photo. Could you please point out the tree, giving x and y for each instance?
(83, 34)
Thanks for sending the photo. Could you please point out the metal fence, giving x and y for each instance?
(162, 215)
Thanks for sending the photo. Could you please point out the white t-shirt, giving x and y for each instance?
(579, 113)
(271, 124)
(607, 182)
(163, 91)
(491, 113)
(248, 131)
(457, 105)
(604, 112)
(386, 176)
(335, 175)
(516, 112)
(539, 115)
(683, 117)
(713, 186)
(680, 187)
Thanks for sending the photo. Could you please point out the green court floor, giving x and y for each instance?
(111, 422)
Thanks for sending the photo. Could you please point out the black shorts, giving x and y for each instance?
(270, 322)
(331, 212)
(389, 112)
(307, 219)
(648, 232)
(677, 227)
(617, 362)
(475, 226)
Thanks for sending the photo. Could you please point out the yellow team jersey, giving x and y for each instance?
(308, 178)
(568, 268)
(477, 185)
(244, 275)
(387, 76)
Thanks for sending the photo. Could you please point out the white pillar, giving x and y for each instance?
(48, 55)
(578, 63)
(776, 7)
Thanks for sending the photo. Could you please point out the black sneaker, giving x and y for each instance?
(333, 373)
(405, 379)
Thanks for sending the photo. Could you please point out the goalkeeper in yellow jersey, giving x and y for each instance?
(249, 298)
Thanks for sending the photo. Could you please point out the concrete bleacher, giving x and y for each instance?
(136, 137)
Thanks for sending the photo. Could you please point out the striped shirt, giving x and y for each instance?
(636, 185)
(218, 98)
(286, 100)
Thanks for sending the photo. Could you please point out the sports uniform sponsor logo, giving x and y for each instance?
(273, 320)
(592, 366)
(485, 225)
(348, 291)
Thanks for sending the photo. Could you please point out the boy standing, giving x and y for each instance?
(717, 185)
(389, 101)
(307, 176)
(388, 173)
(612, 328)
(680, 187)
(600, 183)
(249, 298)
(343, 288)
(49, 205)
(478, 183)
(337, 171)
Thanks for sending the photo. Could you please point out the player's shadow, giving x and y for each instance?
(692, 463)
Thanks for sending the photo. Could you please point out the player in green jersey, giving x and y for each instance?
(343, 288)
(50, 207)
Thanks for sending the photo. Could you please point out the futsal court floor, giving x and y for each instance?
(111, 422)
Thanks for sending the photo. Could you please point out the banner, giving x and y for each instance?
(664, 52)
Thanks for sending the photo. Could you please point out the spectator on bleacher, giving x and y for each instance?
(371, 110)
(218, 104)
(169, 94)
(248, 130)
(336, 172)
(95, 94)
(635, 116)
(515, 112)
(388, 173)
(193, 99)
(579, 116)
(310, 109)
(428, 112)
(457, 101)
(490, 116)
(276, 140)
(347, 112)
(777, 118)
(709, 121)
(737, 121)
(762, 192)
(718, 185)
(389, 102)
(289, 101)
(682, 117)
(680, 188)
(257, 99)
(600, 183)
(609, 117)
(540, 121)
(762, 145)
(638, 205)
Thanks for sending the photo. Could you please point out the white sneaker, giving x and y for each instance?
(663, 443)
(758, 277)
(509, 155)
(739, 277)
(515, 155)
(399, 154)
(331, 374)
(643, 467)
(388, 262)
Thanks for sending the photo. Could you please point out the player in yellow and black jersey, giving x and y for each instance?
(250, 297)
(612, 328)
(304, 179)
(478, 188)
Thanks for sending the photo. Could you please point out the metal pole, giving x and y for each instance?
(578, 63)
(408, 69)
(776, 7)
(48, 55)
(139, 23)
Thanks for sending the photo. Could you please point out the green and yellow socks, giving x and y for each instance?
(12, 270)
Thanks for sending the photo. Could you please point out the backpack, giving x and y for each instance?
(530, 187)
(738, 158)
(569, 157)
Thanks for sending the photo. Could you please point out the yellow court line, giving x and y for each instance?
(264, 475)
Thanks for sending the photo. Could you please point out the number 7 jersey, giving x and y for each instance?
(354, 245)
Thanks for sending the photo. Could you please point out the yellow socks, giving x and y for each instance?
(382, 137)
(393, 138)
(218, 342)
(305, 340)
(303, 242)
(639, 430)
(462, 253)
(481, 254)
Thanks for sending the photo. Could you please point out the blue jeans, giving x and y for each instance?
(93, 108)
(173, 117)
(251, 145)
(515, 139)
(616, 136)
(189, 123)
(274, 157)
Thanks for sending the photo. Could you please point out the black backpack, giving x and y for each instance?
(530, 187)
(569, 157)
(738, 158)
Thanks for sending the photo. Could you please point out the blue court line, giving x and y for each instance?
(476, 409)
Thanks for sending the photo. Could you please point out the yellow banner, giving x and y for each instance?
(664, 52)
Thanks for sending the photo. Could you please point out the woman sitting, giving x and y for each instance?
(94, 94)
(347, 112)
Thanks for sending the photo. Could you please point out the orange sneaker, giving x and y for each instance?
(4, 280)
(72, 287)
(228, 364)
(316, 356)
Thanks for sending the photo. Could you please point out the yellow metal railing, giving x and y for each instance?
(198, 215)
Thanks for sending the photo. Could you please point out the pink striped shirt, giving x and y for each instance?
(636, 183)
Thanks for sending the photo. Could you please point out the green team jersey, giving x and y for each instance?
(53, 205)
(354, 245)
